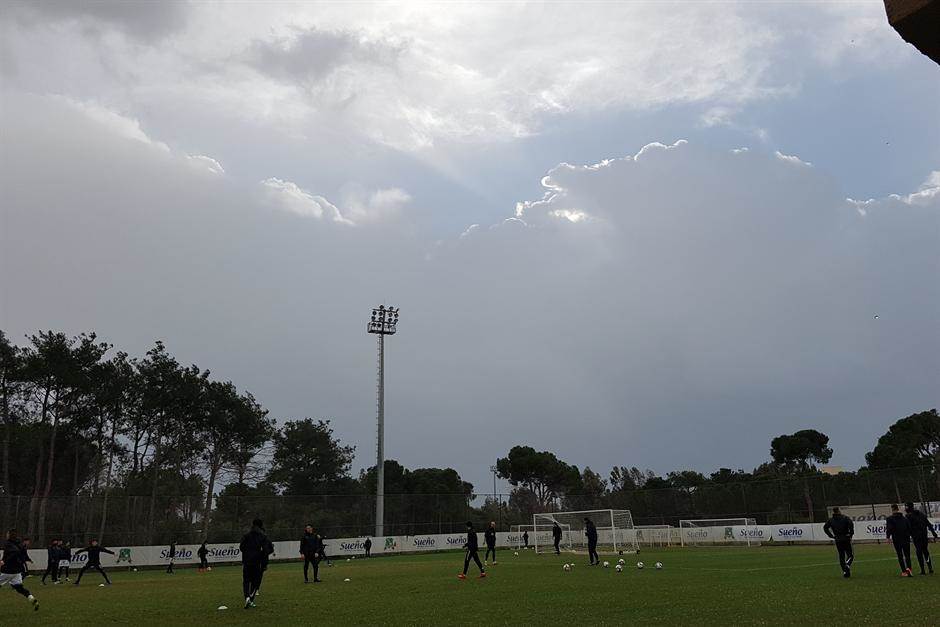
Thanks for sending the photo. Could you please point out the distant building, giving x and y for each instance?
(918, 23)
(831, 470)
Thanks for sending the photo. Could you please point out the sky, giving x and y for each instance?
(640, 234)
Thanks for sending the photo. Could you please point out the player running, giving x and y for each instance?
(11, 567)
(591, 532)
(489, 538)
(899, 532)
(920, 525)
(473, 553)
(94, 560)
(253, 547)
(841, 529)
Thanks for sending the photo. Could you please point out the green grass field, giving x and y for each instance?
(769, 585)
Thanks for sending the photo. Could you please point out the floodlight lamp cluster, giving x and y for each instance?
(384, 319)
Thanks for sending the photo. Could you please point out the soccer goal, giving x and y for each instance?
(615, 530)
(538, 536)
(720, 531)
(657, 535)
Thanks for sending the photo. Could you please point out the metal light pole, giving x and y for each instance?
(383, 322)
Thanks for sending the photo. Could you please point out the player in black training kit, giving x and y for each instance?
(52, 561)
(841, 529)
(591, 532)
(899, 532)
(367, 545)
(489, 538)
(920, 526)
(171, 551)
(254, 547)
(203, 554)
(556, 537)
(473, 553)
(11, 567)
(94, 560)
(310, 549)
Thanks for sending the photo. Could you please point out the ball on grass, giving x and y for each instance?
(619, 568)
(621, 561)
(606, 564)
(223, 607)
(566, 567)
(101, 585)
(135, 570)
(659, 565)
(640, 565)
(347, 579)
(516, 553)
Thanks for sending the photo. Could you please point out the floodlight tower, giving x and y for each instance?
(383, 322)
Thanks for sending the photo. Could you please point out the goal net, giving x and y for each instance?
(657, 535)
(615, 530)
(538, 536)
(720, 531)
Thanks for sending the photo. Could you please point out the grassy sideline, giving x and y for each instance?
(767, 585)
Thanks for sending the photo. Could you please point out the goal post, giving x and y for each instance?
(720, 532)
(615, 531)
(657, 535)
(539, 536)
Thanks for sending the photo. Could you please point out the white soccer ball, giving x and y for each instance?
(209, 568)
(640, 565)
(606, 564)
(621, 561)
(101, 585)
(659, 565)
(619, 568)
(135, 570)
(348, 560)
(347, 579)
(223, 607)
(566, 567)
(516, 553)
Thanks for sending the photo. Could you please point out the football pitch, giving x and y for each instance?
(765, 585)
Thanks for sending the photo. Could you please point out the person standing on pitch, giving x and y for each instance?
(489, 538)
(171, 552)
(309, 546)
(525, 539)
(556, 537)
(11, 567)
(367, 545)
(203, 554)
(591, 532)
(94, 560)
(920, 526)
(899, 532)
(473, 553)
(841, 529)
(253, 547)
(65, 560)
(52, 562)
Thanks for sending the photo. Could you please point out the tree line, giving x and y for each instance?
(98, 443)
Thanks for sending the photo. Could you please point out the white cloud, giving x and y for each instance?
(791, 159)
(207, 163)
(287, 196)
(115, 123)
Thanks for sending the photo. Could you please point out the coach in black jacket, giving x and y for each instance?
(473, 552)
(920, 527)
(841, 529)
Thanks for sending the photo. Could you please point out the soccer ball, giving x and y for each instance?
(566, 567)
(606, 564)
(209, 568)
(659, 565)
(640, 565)
(135, 570)
(621, 561)
(619, 568)
(346, 580)
(516, 553)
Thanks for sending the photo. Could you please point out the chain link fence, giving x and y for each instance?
(141, 520)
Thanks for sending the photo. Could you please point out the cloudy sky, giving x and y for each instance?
(651, 234)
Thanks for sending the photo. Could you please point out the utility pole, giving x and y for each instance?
(383, 322)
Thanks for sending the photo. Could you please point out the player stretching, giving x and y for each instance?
(920, 525)
(11, 567)
(899, 532)
(94, 560)
(556, 537)
(591, 532)
(489, 538)
(309, 548)
(841, 529)
(473, 553)
(254, 548)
